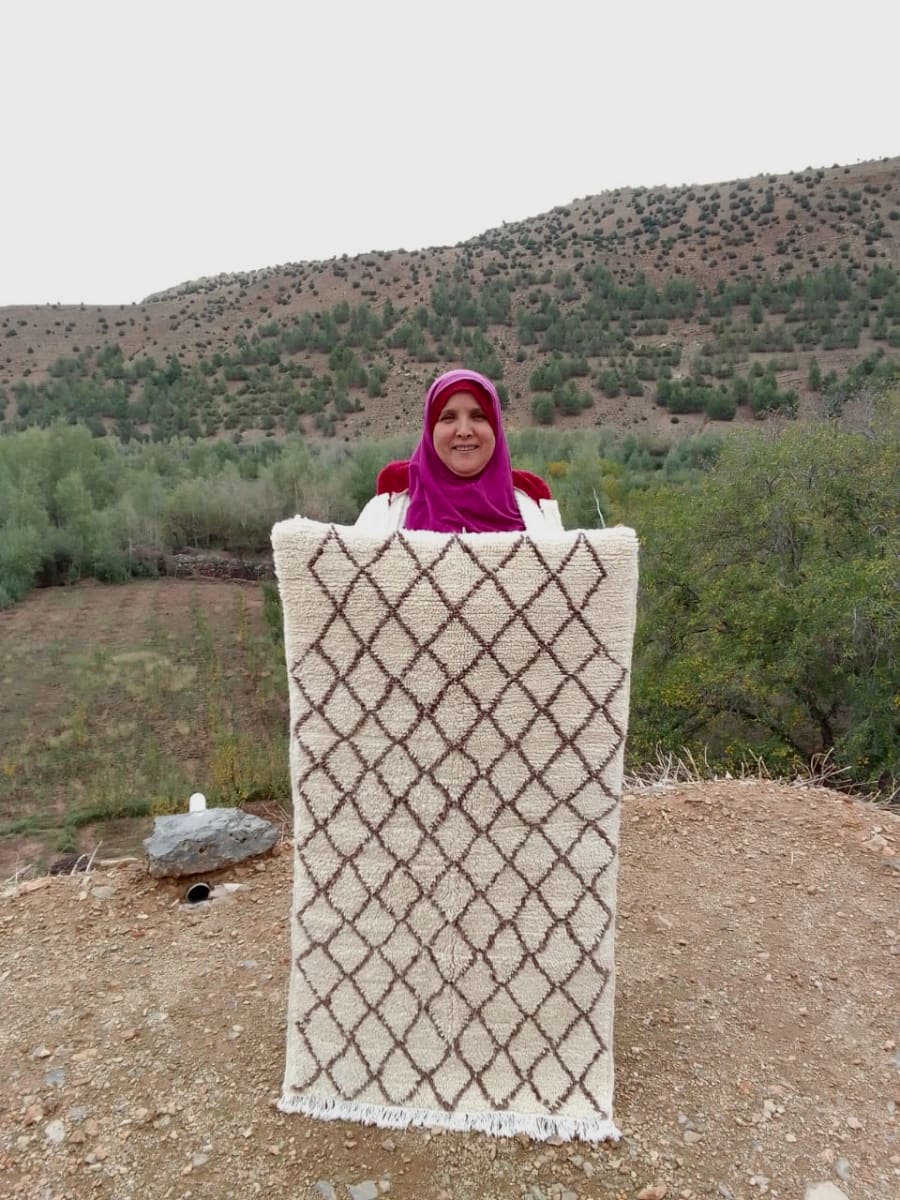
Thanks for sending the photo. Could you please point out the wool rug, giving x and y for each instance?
(458, 708)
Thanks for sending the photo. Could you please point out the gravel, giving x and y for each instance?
(756, 1043)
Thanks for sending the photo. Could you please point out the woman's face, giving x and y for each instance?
(463, 438)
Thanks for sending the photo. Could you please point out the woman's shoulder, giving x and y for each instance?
(539, 510)
(532, 485)
(393, 478)
(540, 516)
(386, 510)
(383, 513)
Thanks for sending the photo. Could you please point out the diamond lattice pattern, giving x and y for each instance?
(459, 709)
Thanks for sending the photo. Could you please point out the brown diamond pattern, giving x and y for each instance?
(459, 707)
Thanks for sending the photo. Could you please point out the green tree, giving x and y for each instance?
(543, 409)
(770, 610)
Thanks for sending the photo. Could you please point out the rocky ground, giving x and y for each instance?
(757, 1028)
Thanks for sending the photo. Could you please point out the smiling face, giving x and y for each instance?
(463, 438)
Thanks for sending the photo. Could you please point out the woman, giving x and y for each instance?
(460, 479)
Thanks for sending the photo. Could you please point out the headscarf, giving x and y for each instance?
(447, 503)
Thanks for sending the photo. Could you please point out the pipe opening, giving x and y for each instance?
(197, 893)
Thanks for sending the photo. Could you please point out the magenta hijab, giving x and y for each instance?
(447, 503)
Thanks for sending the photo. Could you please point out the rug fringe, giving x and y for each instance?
(498, 1124)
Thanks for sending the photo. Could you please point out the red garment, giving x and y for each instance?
(395, 478)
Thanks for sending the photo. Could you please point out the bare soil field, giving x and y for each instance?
(757, 1027)
(109, 685)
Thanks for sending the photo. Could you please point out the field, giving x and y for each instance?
(121, 701)
(757, 943)
(756, 1027)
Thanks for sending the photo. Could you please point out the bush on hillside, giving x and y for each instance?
(770, 614)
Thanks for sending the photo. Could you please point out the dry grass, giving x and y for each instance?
(670, 769)
(124, 700)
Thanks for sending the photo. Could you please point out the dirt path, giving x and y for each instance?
(757, 1028)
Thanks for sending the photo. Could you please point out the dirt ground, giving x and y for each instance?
(757, 1027)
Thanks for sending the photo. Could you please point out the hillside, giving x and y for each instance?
(751, 295)
(757, 1050)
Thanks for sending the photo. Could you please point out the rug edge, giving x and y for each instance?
(539, 1128)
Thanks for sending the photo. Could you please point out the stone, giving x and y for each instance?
(33, 885)
(55, 1132)
(191, 843)
(692, 1137)
(842, 1169)
(875, 842)
(823, 1191)
(367, 1190)
(653, 1191)
(324, 1190)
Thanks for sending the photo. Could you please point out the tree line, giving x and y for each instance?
(769, 599)
(586, 333)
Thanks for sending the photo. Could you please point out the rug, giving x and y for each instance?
(459, 707)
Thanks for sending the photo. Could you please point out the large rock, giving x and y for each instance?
(192, 843)
(824, 1191)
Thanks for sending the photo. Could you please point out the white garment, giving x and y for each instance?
(387, 513)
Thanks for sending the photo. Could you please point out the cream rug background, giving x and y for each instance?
(459, 707)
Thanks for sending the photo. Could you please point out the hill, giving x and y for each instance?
(756, 1034)
(777, 292)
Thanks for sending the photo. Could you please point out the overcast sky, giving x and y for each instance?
(146, 144)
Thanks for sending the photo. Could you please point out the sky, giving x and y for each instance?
(143, 145)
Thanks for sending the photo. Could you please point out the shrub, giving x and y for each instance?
(769, 618)
(543, 409)
(720, 405)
